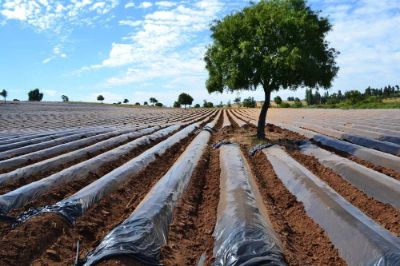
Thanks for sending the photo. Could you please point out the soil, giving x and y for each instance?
(384, 214)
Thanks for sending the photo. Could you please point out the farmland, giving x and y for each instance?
(100, 184)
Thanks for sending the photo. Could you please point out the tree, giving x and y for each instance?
(153, 100)
(249, 102)
(35, 95)
(276, 44)
(177, 104)
(65, 98)
(159, 104)
(208, 104)
(185, 99)
(145, 103)
(4, 94)
(290, 98)
(138, 104)
(100, 98)
(197, 105)
(237, 100)
(126, 101)
(278, 100)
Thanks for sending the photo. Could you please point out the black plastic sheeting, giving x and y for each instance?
(13, 163)
(370, 155)
(142, 235)
(22, 195)
(358, 238)
(46, 144)
(383, 146)
(380, 186)
(74, 206)
(243, 233)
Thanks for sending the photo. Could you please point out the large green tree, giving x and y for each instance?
(275, 44)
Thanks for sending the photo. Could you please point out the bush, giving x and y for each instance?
(297, 103)
(177, 104)
(159, 104)
(284, 105)
(197, 105)
(249, 102)
(138, 104)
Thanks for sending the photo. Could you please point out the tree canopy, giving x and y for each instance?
(100, 98)
(185, 99)
(126, 101)
(64, 98)
(153, 100)
(35, 95)
(275, 44)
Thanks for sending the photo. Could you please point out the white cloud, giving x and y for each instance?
(145, 5)
(129, 5)
(54, 15)
(165, 4)
(56, 53)
(132, 23)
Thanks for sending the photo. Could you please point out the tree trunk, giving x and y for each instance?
(263, 114)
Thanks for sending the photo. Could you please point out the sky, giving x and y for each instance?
(140, 49)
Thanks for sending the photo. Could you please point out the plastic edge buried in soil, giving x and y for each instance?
(243, 233)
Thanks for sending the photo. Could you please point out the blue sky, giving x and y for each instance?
(140, 49)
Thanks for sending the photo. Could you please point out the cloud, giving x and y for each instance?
(165, 4)
(129, 5)
(132, 23)
(364, 34)
(56, 53)
(54, 15)
(145, 5)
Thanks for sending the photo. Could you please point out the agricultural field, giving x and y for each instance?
(104, 185)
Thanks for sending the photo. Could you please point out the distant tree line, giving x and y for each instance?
(353, 96)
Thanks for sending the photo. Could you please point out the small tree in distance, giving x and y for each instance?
(275, 44)
(159, 104)
(146, 103)
(153, 100)
(126, 101)
(278, 100)
(65, 98)
(100, 98)
(185, 99)
(4, 94)
(35, 95)
(249, 102)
